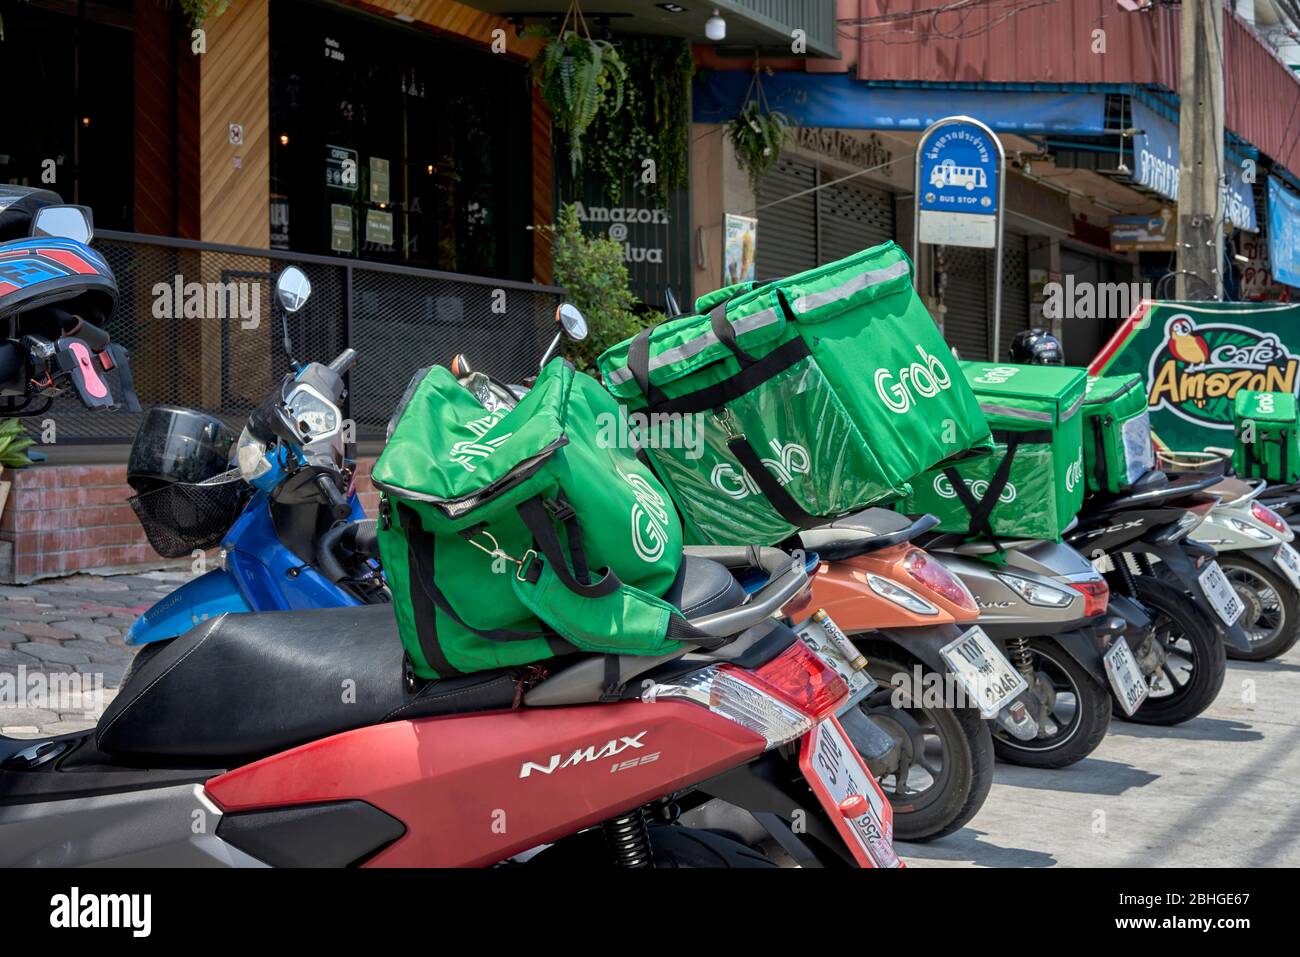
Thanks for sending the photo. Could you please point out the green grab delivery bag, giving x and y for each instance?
(1266, 441)
(1116, 433)
(1032, 486)
(782, 405)
(511, 536)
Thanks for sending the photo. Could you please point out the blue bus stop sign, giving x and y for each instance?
(959, 183)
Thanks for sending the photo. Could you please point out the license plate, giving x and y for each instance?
(984, 672)
(835, 771)
(828, 643)
(1125, 676)
(1288, 559)
(1227, 605)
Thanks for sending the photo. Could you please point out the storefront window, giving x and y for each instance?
(391, 145)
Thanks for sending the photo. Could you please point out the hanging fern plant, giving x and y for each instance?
(757, 134)
(655, 122)
(579, 77)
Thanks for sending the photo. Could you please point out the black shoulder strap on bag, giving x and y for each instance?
(774, 491)
(426, 597)
(638, 364)
(537, 516)
(726, 334)
(981, 509)
(1099, 452)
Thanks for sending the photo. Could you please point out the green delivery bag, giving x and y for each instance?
(1032, 486)
(779, 406)
(1116, 433)
(512, 536)
(1267, 445)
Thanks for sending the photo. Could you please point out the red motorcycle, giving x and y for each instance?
(293, 739)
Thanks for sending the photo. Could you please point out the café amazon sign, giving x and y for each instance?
(1196, 356)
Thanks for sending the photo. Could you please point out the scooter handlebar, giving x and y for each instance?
(333, 497)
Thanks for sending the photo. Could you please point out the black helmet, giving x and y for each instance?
(1037, 347)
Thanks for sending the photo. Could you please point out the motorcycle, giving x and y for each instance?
(1253, 546)
(939, 681)
(233, 747)
(1193, 608)
(1048, 611)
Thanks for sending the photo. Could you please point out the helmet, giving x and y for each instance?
(36, 273)
(1036, 347)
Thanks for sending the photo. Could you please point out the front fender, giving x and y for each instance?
(207, 596)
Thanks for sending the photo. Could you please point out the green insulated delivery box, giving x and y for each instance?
(1266, 446)
(1032, 486)
(1116, 433)
(779, 406)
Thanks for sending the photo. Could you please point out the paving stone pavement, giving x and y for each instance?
(62, 653)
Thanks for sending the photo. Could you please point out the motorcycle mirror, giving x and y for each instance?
(292, 287)
(571, 319)
(66, 222)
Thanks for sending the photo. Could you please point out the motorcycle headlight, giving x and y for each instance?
(1038, 593)
(250, 453)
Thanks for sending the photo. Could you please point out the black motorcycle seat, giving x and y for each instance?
(243, 686)
(867, 531)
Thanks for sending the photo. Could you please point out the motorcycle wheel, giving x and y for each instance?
(142, 658)
(1081, 711)
(1197, 664)
(674, 846)
(1272, 616)
(949, 766)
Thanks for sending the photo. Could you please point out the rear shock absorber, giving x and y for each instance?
(628, 839)
(1020, 655)
(1125, 569)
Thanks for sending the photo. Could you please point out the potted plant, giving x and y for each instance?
(758, 132)
(14, 443)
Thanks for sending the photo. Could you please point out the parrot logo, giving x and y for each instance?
(1185, 344)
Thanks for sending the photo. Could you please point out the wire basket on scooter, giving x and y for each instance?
(180, 517)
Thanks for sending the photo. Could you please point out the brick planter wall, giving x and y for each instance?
(64, 519)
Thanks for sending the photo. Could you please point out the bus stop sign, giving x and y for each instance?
(959, 183)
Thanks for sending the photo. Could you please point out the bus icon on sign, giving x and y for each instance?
(949, 173)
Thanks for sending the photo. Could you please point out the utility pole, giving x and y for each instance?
(1200, 148)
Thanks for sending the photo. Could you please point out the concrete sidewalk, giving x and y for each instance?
(1222, 790)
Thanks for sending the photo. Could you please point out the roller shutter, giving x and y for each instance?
(966, 301)
(787, 232)
(851, 218)
(1015, 290)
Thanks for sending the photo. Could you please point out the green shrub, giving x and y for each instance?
(14, 444)
(593, 272)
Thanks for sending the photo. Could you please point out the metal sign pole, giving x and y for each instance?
(997, 250)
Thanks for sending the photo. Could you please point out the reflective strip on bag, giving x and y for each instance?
(745, 324)
(815, 300)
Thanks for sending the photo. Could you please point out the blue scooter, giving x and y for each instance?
(302, 539)
(300, 542)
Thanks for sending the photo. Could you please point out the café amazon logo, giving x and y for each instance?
(1198, 370)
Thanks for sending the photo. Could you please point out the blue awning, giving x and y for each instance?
(837, 100)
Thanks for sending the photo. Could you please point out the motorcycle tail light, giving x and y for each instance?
(926, 571)
(781, 701)
(1096, 596)
(799, 677)
(1269, 517)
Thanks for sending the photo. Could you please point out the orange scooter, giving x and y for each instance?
(939, 677)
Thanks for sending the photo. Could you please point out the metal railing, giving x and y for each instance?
(199, 321)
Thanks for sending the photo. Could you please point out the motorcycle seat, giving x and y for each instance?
(866, 531)
(243, 686)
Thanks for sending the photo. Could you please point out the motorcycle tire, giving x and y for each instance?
(965, 745)
(1246, 572)
(674, 846)
(1182, 620)
(142, 658)
(1087, 726)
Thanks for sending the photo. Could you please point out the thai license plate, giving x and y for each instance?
(1225, 601)
(984, 672)
(835, 771)
(828, 643)
(1125, 676)
(1288, 559)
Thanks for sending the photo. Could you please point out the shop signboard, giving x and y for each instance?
(340, 228)
(341, 168)
(1196, 356)
(1155, 233)
(379, 181)
(1283, 233)
(740, 240)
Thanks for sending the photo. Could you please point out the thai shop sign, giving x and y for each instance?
(653, 231)
(1283, 233)
(1196, 356)
(1156, 166)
